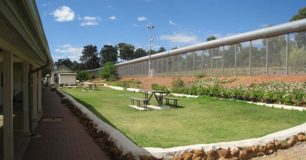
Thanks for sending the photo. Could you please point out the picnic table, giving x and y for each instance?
(158, 94)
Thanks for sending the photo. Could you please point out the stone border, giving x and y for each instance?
(114, 87)
(242, 149)
(134, 90)
(184, 95)
(278, 106)
(289, 135)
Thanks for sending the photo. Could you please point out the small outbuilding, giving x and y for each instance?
(63, 75)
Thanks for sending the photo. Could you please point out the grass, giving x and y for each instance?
(198, 121)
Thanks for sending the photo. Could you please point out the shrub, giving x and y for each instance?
(123, 84)
(83, 76)
(158, 87)
(177, 83)
(200, 75)
(109, 72)
(272, 92)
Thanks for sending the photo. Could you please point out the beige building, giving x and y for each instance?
(63, 75)
(24, 58)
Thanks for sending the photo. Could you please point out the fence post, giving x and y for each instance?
(167, 65)
(222, 61)
(193, 65)
(235, 70)
(211, 63)
(185, 65)
(267, 56)
(250, 59)
(287, 54)
(202, 62)
(178, 64)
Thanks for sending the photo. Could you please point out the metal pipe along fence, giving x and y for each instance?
(276, 50)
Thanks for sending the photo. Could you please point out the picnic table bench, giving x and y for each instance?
(159, 95)
(172, 99)
(139, 101)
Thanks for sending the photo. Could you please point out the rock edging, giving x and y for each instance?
(241, 153)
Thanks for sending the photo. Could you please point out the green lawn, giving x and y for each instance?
(202, 120)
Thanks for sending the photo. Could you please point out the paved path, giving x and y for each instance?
(61, 140)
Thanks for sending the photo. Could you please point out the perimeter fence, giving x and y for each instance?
(276, 50)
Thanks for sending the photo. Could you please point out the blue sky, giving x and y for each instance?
(71, 24)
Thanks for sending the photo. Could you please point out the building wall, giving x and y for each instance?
(69, 79)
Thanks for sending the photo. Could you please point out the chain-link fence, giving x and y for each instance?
(278, 50)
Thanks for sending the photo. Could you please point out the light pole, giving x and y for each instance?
(150, 27)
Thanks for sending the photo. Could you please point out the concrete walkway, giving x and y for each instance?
(62, 138)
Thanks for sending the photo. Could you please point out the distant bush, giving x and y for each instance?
(156, 86)
(109, 72)
(123, 84)
(83, 76)
(199, 76)
(127, 83)
(177, 83)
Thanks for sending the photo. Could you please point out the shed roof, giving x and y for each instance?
(63, 69)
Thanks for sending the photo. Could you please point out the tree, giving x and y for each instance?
(152, 52)
(76, 66)
(126, 51)
(108, 54)
(301, 36)
(161, 49)
(67, 62)
(211, 38)
(139, 52)
(83, 76)
(109, 71)
(90, 57)
(300, 15)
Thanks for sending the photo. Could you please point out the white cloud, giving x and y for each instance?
(141, 18)
(90, 21)
(63, 14)
(112, 18)
(135, 25)
(172, 23)
(182, 38)
(69, 51)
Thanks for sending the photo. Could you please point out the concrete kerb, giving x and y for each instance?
(114, 87)
(121, 141)
(280, 136)
(279, 106)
